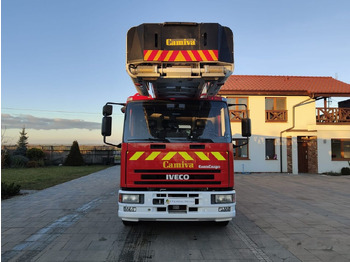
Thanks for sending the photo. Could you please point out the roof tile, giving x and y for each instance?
(312, 86)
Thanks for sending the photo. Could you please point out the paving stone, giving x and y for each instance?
(287, 217)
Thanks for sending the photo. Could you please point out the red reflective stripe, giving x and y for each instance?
(174, 55)
(186, 55)
(189, 55)
(196, 55)
(207, 55)
(163, 55)
(144, 54)
(216, 52)
(152, 55)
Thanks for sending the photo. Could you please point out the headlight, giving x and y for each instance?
(223, 199)
(131, 198)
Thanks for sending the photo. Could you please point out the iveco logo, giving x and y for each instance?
(178, 177)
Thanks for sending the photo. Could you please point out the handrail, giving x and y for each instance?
(332, 115)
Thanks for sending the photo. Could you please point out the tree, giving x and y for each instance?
(74, 157)
(5, 158)
(22, 143)
(3, 131)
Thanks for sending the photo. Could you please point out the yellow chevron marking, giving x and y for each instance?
(137, 155)
(191, 55)
(213, 55)
(168, 55)
(202, 156)
(218, 156)
(169, 156)
(153, 155)
(185, 155)
(180, 57)
(157, 55)
(148, 53)
(200, 52)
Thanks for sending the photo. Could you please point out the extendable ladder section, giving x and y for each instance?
(179, 60)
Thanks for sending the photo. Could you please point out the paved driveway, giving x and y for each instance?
(308, 214)
(280, 218)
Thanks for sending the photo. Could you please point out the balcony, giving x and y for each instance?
(237, 115)
(276, 115)
(332, 116)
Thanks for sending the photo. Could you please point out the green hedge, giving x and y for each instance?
(9, 190)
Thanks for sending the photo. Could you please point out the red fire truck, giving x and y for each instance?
(176, 150)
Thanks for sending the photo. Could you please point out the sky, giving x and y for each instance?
(62, 60)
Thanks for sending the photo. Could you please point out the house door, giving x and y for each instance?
(303, 155)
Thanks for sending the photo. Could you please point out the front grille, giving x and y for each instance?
(180, 182)
(186, 202)
(177, 177)
(191, 177)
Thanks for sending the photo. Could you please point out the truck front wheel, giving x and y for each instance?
(129, 223)
(223, 223)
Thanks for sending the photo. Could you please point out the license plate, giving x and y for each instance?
(224, 209)
(180, 201)
(129, 209)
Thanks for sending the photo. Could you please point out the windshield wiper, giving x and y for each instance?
(149, 140)
(202, 140)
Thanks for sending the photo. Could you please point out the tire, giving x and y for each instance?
(129, 223)
(223, 223)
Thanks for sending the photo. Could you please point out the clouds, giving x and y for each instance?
(32, 122)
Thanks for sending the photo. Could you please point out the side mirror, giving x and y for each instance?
(106, 129)
(107, 110)
(246, 127)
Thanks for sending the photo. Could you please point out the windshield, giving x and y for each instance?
(170, 121)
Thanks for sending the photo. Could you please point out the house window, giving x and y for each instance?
(240, 152)
(340, 149)
(270, 149)
(237, 112)
(275, 109)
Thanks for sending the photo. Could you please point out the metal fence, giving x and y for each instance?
(92, 155)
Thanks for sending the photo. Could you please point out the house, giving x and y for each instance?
(291, 131)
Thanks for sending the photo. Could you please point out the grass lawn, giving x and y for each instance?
(44, 177)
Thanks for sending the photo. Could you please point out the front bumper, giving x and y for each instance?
(177, 206)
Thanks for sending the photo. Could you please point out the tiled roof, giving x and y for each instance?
(313, 86)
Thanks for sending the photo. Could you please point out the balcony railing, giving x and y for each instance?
(276, 115)
(332, 115)
(237, 115)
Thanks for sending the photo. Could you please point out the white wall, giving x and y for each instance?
(304, 125)
(262, 130)
(325, 134)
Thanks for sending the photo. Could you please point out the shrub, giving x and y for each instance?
(39, 163)
(9, 190)
(74, 157)
(19, 161)
(345, 171)
(35, 154)
(332, 174)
